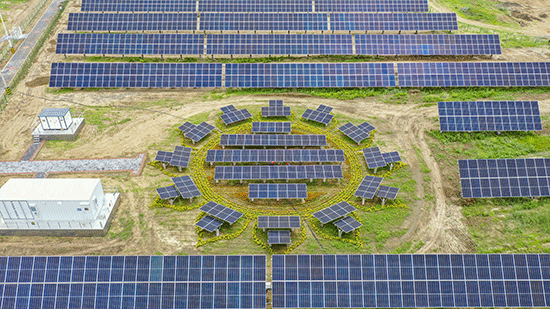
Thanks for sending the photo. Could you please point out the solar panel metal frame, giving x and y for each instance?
(474, 116)
(186, 186)
(334, 212)
(279, 222)
(168, 192)
(278, 237)
(138, 6)
(324, 109)
(373, 157)
(280, 172)
(277, 191)
(368, 187)
(387, 192)
(348, 224)
(367, 127)
(263, 21)
(271, 127)
(313, 140)
(221, 212)
(187, 127)
(275, 155)
(209, 224)
(164, 156)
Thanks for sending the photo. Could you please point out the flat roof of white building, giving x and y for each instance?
(54, 189)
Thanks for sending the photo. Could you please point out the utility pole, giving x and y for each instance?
(7, 33)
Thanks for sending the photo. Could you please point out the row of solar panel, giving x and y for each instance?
(292, 75)
(275, 155)
(285, 140)
(277, 44)
(262, 22)
(254, 6)
(281, 172)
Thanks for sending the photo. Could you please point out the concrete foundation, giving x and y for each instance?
(60, 135)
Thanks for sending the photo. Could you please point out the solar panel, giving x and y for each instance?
(489, 116)
(371, 6)
(281, 172)
(474, 74)
(186, 127)
(273, 140)
(271, 127)
(348, 224)
(275, 155)
(129, 44)
(368, 187)
(410, 281)
(263, 21)
(228, 109)
(324, 109)
(278, 222)
(132, 22)
(186, 186)
(181, 156)
(374, 157)
(277, 191)
(279, 44)
(164, 156)
(317, 116)
(365, 126)
(505, 177)
(255, 6)
(283, 111)
(208, 223)
(427, 44)
(168, 282)
(353, 132)
(199, 131)
(275, 103)
(221, 212)
(278, 237)
(135, 75)
(309, 75)
(236, 116)
(387, 192)
(138, 6)
(391, 157)
(392, 21)
(168, 192)
(334, 212)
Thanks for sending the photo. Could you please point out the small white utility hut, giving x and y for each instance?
(73, 206)
(55, 118)
(57, 124)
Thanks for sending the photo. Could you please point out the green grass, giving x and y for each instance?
(6, 4)
(379, 226)
(123, 228)
(508, 39)
(485, 11)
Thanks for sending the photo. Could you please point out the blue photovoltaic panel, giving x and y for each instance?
(489, 116)
(271, 127)
(255, 6)
(208, 223)
(228, 109)
(263, 21)
(275, 111)
(279, 222)
(392, 21)
(102, 282)
(132, 22)
(236, 116)
(371, 6)
(139, 6)
(317, 116)
(197, 132)
(186, 186)
(302, 140)
(275, 103)
(368, 187)
(129, 44)
(135, 75)
(280, 172)
(278, 237)
(391, 157)
(277, 191)
(334, 212)
(164, 156)
(411, 281)
(181, 156)
(187, 127)
(324, 109)
(348, 224)
(168, 192)
(428, 44)
(387, 192)
(221, 212)
(488, 178)
(353, 132)
(309, 75)
(474, 74)
(279, 44)
(275, 155)
(365, 126)
(374, 157)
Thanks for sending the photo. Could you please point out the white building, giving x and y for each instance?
(55, 118)
(72, 206)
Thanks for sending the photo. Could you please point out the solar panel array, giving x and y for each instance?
(324, 109)
(356, 133)
(255, 6)
(208, 223)
(368, 186)
(474, 74)
(275, 109)
(371, 6)
(393, 21)
(196, 132)
(139, 282)
(307, 75)
(273, 140)
(164, 156)
(486, 178)
(275, 103)
(365, 126)
(317, 116)
(181, 156)
(228, 109)
(135, 75)
(132, 22)
(129, 44)
(391, 157)
(168, 192)
(374, 157)
(139, 6)
(186, 186)
(278, 237)
(428, 44)
(489, 116)
(411, 281)
(275, 155)
(387, 192)
(279, 44)
(334, 212)
(281, 172)
(278, 222)
(277, 191)
(271, 127)
(221, 212)
(263, 21)
(235, 116)
(348, 224)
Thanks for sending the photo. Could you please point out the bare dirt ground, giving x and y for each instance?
(439, 224)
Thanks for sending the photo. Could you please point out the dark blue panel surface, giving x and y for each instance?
(139, 6)
(132, 22)
(264, 21)
(371, 6)
(393, 21)
(255, 6)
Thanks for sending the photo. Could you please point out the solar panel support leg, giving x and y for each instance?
(324, 180)
(383, 201)
(311, 180)
(391, 166)
(217, 181)
(363, 203)
(179, 167)
(171, 201)
(217, 232)
(339, 233)
(303, 200)
(65, 55)
(241, 181)
(164, 165)
(376, 168)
